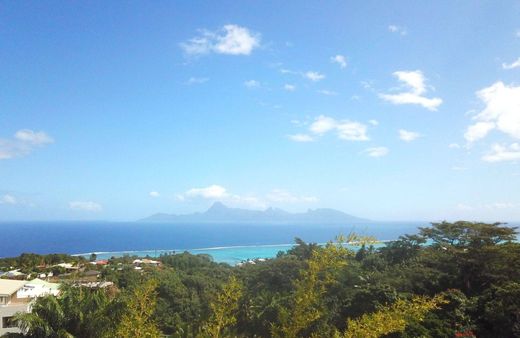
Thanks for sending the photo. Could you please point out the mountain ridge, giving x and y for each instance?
(220, 213)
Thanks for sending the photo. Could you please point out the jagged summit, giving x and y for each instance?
(220, 213)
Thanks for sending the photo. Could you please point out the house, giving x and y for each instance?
(14, 274)
(100, 262)
(10, 304)
(37, 288)
(146, 261)
(16, 296)
(67, 266)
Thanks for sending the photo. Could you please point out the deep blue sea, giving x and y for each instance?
(229, 243)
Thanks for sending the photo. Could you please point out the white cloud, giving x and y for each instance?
(323, 124)
(414, 81)
(408, 136)
(397, 29)
(301, 138)
(289, 87)
(352, 131)
(230, 40)
(500, 153)
(288, 71)
(31, 137)
(217, 192)
(283, 196)
(454, 146)
(85, 206)
(211, 192)
(376, 151)
(327, 92)
(478, 130)
(518, 33)
(251, 84)
(8, 199)
(373, 122)
(345, 129)
(154, 194)
(501, 112)
(340, 60)
(458, 168)
(23, 142)
(314, 76)
(512, 65)
(197, 80)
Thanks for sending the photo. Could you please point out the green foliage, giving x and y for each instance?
(137, 320)
(77, 313)
(306, 304)
(224, 308)
(392, 318)
(449, 280)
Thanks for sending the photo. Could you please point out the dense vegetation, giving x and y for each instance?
(450, 280)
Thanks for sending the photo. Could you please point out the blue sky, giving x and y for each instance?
(114, 111)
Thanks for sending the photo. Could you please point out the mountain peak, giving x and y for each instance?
(219, 213)
(217, 206)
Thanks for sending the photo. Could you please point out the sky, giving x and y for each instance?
(398, 111)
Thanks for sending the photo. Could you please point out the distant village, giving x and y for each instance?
(29, 276)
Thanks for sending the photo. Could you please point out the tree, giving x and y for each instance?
(78, 312)
(306, 304)
(224, 308)
(468, 234)
(137, 320)
(392, 318)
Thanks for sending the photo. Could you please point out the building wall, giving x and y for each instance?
(9, 311)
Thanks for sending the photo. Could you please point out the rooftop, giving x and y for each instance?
(8, 287)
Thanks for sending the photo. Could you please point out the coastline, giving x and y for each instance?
(220, 254)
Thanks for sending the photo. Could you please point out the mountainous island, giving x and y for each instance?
(219, 213)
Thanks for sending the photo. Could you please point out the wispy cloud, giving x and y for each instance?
(454, 146)
(219, 193)
(314, 76)
(252, 84)
(500, 153)
(230, 40)
(211, 192)
(301, 137)
(376, 151)
(289, 87)
(197, 80)
(23, 143)
(414, 81)
(85, 206)
(344, 129)
(309, 75)
(408, 136)
(8, 199)
(397, 29)
(154, 194)
(512, 65)
(340, 60)
(501, 112)
(327, 92)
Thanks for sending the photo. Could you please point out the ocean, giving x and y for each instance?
(227, 243)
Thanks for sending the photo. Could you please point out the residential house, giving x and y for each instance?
(16, 296)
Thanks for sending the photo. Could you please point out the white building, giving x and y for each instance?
(10, 304)
(16, 296)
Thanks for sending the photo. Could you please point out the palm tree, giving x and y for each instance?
(77, 312)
